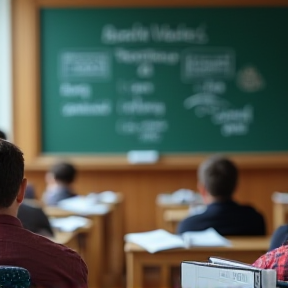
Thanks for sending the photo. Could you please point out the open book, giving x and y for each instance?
(224, 273)
(158, 240)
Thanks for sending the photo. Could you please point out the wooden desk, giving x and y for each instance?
(161, 210)
(68, 239)
(172, 217)
(244, 249)
(280, 214)
(93, 253)
(71, 239)
(103, 253)
(114, 239)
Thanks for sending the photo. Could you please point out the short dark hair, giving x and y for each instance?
(3, 135)
(11, 172)
(219, 175)
(64, 172)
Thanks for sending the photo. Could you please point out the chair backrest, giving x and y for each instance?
(280, 209)
(14, 277)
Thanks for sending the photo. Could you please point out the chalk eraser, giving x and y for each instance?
(142, 156)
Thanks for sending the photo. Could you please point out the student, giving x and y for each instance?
(279, 237)
(33, 218)
(276, 259)
(30, 214)
(59, 180)
(217, 180)
(50, 264)
(3, 135)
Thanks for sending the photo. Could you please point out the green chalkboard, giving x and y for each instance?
(175, 80)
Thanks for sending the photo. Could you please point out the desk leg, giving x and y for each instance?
(115, 252)
(165, 276)
(134, 276)
(94, 253)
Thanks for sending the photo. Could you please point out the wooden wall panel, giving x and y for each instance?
(140, 189)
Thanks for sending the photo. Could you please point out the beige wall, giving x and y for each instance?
(141, 186)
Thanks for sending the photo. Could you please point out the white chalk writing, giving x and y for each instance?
(139, 107)
(80, 90)
(99, 108)
(129, 56)
(165, 33)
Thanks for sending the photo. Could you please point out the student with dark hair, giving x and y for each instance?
(50, 264)
(59, 180)
(217, 181)
(31, 213)
(2, 135)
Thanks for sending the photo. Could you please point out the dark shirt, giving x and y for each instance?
(34, 219)
(52, 196)
(279, 237)
(50, 265)
(276, 259)
(227, 218)
(30, 192)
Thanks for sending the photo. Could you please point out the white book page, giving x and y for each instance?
(68, 224)
(222, 261)
(83, 206)
(208, 237)
(156, 240)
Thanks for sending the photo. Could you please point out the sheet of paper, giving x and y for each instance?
(68, 224)
(156, 240)
(83, 205)
(208, 237)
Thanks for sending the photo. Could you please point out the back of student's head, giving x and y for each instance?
(11, 172)
(219, 175)
(3, 135)
(63, 172)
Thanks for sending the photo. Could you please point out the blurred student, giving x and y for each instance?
(3, 135)
(49, 264)
(217, 180)
(33, 218)
(279, 237)
(30, 212)
(276, 259)
(59, 179)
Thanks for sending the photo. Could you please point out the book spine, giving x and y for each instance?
(257, 279)
(269, 278)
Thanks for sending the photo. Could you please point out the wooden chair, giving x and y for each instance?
(172, 217)
(280, 214)
(280, 209)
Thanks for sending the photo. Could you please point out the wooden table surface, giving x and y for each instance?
(245, 249)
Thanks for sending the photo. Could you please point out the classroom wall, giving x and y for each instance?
(141, 186)
(260, 175)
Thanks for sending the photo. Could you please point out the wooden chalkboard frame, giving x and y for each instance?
(26, 88)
